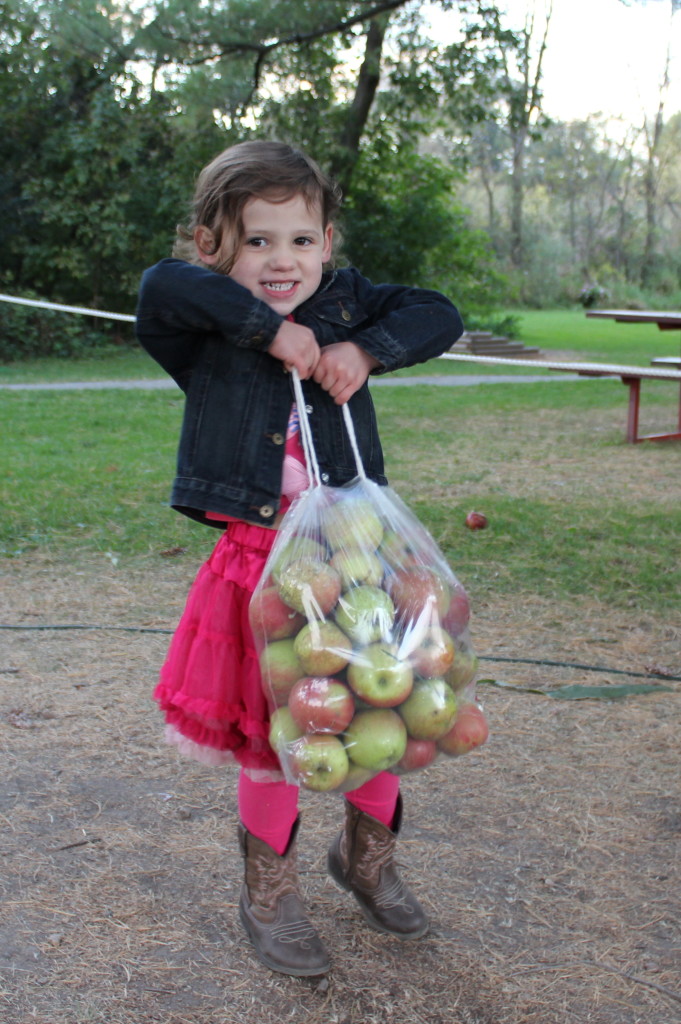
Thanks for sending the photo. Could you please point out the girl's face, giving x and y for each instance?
(284, 248)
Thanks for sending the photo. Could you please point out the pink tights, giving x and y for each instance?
(268, 810)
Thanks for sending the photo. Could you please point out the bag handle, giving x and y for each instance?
(306, 435)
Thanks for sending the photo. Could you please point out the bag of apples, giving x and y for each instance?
(362, 631)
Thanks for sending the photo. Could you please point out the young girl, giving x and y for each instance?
(248, 300)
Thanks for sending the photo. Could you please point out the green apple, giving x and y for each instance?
(463, 669)
(379, 676)
(322, 649)
(366, 614)
(357, 567)
(376, 739)
(283, 730)
(353, 523)
(293, 548)
(319, 762)
(280, 668)
(430, 709)
(309, 586)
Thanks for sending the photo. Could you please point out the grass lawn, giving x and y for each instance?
(573, 510)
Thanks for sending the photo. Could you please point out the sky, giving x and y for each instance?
(603, 56)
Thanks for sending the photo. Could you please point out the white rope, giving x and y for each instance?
(83, 310)
(350, 427)
(306, 434)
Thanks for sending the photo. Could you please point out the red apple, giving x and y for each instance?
(434, 654)
(272, 619)
(379, 676)
(457, 616)
(376, 739)
(280, 668)
(418, 588)
(322, 648)
(321, 704)
(470, 730)
(419, 754)
(319, 762)
(310, 586)
(476, 521)
(430, 709)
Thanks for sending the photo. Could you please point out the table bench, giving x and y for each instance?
(629, 375)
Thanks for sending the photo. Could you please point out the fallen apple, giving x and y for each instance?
(319, 762)
(322, 649)
(321, 704)
(379, 676)
(476, 521)
(365, 614)
(270, 618)
(470, 730)
(376, 739)
(430, 709)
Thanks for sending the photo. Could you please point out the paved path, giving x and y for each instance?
(375, 382)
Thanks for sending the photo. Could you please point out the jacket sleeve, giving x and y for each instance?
(406, 325)
(181, 303)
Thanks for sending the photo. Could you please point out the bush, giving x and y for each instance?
(27, 332)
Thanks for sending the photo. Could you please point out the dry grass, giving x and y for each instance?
(549, 861)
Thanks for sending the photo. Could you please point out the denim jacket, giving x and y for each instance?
(211, 335)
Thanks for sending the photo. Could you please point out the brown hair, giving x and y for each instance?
(264, 169)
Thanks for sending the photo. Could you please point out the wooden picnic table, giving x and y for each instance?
(629, 375)
(666, 320)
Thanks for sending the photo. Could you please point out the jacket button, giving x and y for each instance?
(266, 511)
(325, 478)
(278, 438)
(346, 316)
(309, 410)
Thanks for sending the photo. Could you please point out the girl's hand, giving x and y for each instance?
(342, 369)
(296, 346)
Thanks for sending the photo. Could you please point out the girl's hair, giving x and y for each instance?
(259, 169)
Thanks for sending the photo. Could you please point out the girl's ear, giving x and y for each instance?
(204, 241)
(328, 243)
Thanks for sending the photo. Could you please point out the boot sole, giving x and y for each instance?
(367, 915)
(274, 965)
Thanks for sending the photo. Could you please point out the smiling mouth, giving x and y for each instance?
(279, 286)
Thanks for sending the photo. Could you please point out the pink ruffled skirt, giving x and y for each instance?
(210, 686)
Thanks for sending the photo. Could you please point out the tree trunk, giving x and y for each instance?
(357, 115)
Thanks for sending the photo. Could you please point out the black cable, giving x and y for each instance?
(482, 657)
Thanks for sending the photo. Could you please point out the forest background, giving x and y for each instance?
(454, 175)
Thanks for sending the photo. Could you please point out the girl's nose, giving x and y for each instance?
(281, 257)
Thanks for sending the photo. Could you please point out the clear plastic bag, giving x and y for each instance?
(363, 634)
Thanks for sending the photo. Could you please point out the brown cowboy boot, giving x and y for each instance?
(361, 861)
(272, 911)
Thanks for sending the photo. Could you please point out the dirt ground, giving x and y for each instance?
(549, 860)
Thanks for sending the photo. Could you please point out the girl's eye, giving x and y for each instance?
(303, 240)
(256, 243)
